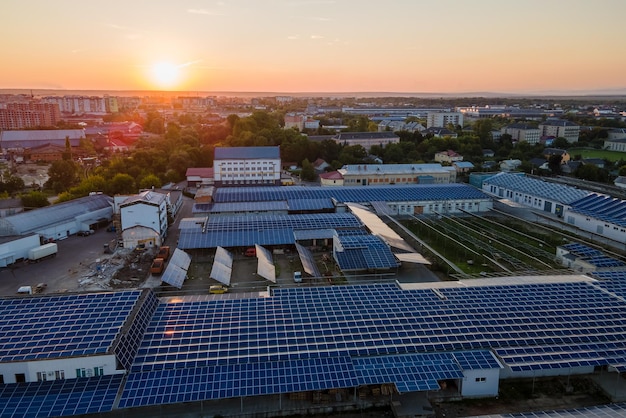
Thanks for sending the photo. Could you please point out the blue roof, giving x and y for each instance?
(61, 397)
(309, 339)
(29, 328)
(246, 153)
(605, 208)
(538, 188)
(357, 194)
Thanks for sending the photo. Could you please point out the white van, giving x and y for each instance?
(297, 276)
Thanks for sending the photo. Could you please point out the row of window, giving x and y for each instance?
(55, 375)
(85, 372)
(263, 168)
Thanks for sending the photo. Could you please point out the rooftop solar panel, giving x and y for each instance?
(551, 191)
(308, 262)
(222, 266)
(357, 194)
(30, 327)
(62, 397)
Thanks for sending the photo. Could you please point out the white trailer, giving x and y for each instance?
(43, 251)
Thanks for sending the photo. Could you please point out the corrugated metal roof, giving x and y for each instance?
(31, 221)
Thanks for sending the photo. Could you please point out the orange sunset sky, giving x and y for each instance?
(447, 46)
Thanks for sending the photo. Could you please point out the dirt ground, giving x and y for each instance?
(32, 174)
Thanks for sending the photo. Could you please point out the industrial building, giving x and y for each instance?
(61, 220)
(130, 349)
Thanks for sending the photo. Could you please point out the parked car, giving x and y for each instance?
(218, 289)
(40, 288)
(250, 252)
(85, 233)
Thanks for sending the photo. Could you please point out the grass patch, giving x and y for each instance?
(597, 153)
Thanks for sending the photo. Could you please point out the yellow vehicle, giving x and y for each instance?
(218, 289)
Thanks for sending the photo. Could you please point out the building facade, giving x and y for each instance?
(30, 114)
(390, 174)
(558, 128)
(240, 166)
(366, 139)
(523, 132)
(443, 119)
(143, 218)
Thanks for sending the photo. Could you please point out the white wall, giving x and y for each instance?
(480, 383)
(596, 226)
(67, 365)
(16, 249)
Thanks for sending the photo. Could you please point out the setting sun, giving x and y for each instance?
(165, 74)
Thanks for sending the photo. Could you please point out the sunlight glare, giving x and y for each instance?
(165, 74)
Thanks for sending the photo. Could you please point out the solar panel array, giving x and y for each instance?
(580, 250)
(357, 194)
(310, 204)
(364, 252)
(265, 264)
(222, 266)
(550, 191)
(62, 397)
(176, 271)
(603, 261)
(308, 262)
(605, 208)
(243, 207)
(62, 326)
(237, 379)
(410, 372)
(530, 326)
(245, 231)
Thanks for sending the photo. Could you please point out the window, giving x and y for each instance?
(41, 376)
(481, 379)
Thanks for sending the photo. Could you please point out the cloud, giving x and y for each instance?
(187, 64)
(317, 37)
(203, 12)
(293, 37)
(320, 19)
(133, 34)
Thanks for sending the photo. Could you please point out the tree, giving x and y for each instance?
(308, 172)
(67, 154)
(560, 143)
(122, 184)
(34, 199)
(62, 175)
(554, 162)
(149, 182)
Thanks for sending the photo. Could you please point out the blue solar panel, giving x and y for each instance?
(580, 250)
(396, 193)
(322, 321)
(61, 397)
(238, 379)
(605, 208)
(407, 371)
(476, 360)
(29, 327)
(364, 252)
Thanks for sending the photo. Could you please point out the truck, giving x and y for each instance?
(43, 251)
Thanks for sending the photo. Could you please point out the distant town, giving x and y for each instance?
(289, 255)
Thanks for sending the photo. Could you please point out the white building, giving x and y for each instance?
(239, 166)
(366, 139)
(13, 249)
(443, 119)
(523, 132)
(389, 174)
(536, 194)
(143, 218)
(558, 128)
